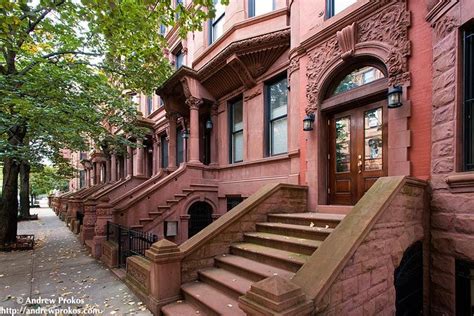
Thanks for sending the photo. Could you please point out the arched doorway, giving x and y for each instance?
(408, 281)
(355, 112)
(200, 216)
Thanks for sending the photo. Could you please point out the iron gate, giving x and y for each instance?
(130, 242)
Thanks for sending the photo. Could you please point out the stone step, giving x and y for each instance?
(180, 196)
(172, 201)
(210, 299)
(248, 268)
(182, 308)
(136, 227)
(230, 283)
(155, 213)
(299, 231)
(146, 220)
(203, 185)
(293, 244)
(278, 258)
(318, 219)
(334, 209)
(163, 207)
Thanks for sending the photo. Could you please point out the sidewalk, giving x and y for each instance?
(61, 274)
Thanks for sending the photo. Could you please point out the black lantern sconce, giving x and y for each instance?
(308, 122)
(209, 124)
(186, 134)
(395, 97)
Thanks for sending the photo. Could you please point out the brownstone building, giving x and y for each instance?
(306, 157)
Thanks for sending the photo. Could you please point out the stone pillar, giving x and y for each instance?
(140, 158)
(113, 167)
(214, 134)
(165, 276)
(276, 296)
(183, 227)
(86, 173)
(129, 161)
(103, 215)
(172, 142)
(156, 155)
(88, 222)
(194, 104)
(108, 170)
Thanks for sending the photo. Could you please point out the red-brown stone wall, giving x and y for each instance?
(419, 92)
(365, 286)
(452, 216)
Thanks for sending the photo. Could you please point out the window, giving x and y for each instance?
(217, 23)
(177, 4)
(179, 146)
(135, 98)
(178, 58)
(149, 105)
(164, 151)
(277, 109)
(258, 7)
(83, 155)
(236, 131)
(162, 29)
(464, 288)
(357, 78)
(82, 178)
(334, 7)
(233, 201)
(468, 87)
(162, 103)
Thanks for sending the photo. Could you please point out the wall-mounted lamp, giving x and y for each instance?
(308, 122)
(185, 134)
(209, 124)
(395, 97)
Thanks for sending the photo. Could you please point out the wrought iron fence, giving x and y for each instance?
(130, 242)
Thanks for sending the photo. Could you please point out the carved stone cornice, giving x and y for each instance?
(294, 65)
(439, 10)
(194, 103)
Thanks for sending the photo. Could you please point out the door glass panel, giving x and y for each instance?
(373, 139)
(343, 142)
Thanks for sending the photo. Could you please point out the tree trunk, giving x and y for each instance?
(25, 190)
(9, 207)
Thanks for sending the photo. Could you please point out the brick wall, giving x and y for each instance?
(365, 286)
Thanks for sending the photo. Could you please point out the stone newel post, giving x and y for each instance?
(165, 275)
(276, 296)
(194, 104)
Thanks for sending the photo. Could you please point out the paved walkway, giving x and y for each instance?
(60, 274)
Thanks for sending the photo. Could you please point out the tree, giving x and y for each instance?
(47, 179)
(63, 67)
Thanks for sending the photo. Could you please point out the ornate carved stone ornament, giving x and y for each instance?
(215, 109)
(445, 25)
(239, 67)
(194, 103)
(383, 36)
(294, 65)
(347, 39)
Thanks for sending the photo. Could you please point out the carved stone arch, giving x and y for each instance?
(200, 198)
(363, 53)
(383, 36)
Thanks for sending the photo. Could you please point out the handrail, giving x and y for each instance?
(138, 188)
(319, 272)
(142, 193)
(231, 217)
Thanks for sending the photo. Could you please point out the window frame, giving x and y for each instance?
(252, 7)
(331, 7)
(212, 24)
(149, 105)
(268, 120)
(232, 133)
(467, 100)
(164, 153)
(180, 146)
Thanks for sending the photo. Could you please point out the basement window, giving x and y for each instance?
(464, 288)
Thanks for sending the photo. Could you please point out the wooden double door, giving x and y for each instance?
(357, 151)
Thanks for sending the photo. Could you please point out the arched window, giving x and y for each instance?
(359, 77)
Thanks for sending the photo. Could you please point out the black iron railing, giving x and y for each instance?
(130, 242)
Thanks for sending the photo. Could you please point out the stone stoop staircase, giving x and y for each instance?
(279, 246)
(144, 224)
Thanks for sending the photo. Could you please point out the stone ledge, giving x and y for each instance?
(461, 182)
